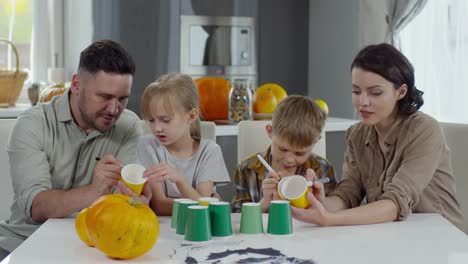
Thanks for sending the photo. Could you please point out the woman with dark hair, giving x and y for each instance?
(396, 157)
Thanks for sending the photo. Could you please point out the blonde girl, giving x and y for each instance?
(178, 162)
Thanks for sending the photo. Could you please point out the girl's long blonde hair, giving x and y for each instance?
(177, 92)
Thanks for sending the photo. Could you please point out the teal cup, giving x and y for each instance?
(279, 218)
(182, 215)
(197, 227)
(220, 218)
(251, 218)
(175, 209)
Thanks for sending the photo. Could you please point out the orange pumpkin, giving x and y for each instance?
(47, 93)
(267, 97)
(80, 227)
(214, 97)
(121, 226)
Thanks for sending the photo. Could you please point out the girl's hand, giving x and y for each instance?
(315, 214)
(161, 172)
(145, 196)
(317, 188)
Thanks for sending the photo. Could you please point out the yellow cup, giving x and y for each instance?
(132, 176)
(207, 200)
(294, 188)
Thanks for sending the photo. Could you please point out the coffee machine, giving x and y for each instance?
(218, 46)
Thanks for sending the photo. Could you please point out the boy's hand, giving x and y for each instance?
(269, 186)
(161, 172)
(145, 196)
(106, 174)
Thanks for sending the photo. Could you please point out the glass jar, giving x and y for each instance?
(240, 100)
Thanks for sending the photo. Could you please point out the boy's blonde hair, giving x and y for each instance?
(178, 93)
(298, 120)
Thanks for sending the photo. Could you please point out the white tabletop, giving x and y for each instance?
(422, 238)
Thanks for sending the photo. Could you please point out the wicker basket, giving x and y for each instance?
(11, 82)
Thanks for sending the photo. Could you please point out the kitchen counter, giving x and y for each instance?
(13, 112)
(333, 124)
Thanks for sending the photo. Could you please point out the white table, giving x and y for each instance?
(422, 238)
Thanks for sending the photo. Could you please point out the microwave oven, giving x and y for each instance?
(218, 46)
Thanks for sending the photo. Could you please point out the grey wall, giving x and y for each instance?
(283, 27)
(150, 31)
(333, 43)
(144, 29)
(246, 8)
(304, 45)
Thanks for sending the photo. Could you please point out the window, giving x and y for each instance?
(16, 25)
(436, 42)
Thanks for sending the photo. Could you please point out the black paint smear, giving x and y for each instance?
(191, 260)
(276, 260)
(261, 251)
(274, 256)
(186, 245)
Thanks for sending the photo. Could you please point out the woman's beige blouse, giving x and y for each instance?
(415, 171)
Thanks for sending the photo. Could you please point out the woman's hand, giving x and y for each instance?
(318, 189)
(315, 214)
(161, 172)
(145, 196)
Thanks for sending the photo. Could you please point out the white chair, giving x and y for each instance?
(6, 189)
(207, 129)
(253, 138)
(457, 140)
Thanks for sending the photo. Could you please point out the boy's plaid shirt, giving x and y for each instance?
(250, 174)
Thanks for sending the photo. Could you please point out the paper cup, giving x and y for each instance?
(175, 210)
(294, 188)
(251, 218)
(207, 200)
(197, 227)
(279, 218)
(132, 176)
(220, 218)
(182, 215)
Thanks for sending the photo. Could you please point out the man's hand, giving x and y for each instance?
(106, 174)
(145, 196)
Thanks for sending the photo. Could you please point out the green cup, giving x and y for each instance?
(279, 218)
(220, 218)
(175, 209)
(251, 218)
(182, 215)
(197, 227)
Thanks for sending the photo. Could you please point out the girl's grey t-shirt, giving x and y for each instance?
(206, 165)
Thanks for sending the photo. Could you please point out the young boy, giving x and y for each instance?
(295, 128)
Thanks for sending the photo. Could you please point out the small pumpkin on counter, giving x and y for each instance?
(120, 226)
(267, 97)
(214, 97)
(51, 91)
